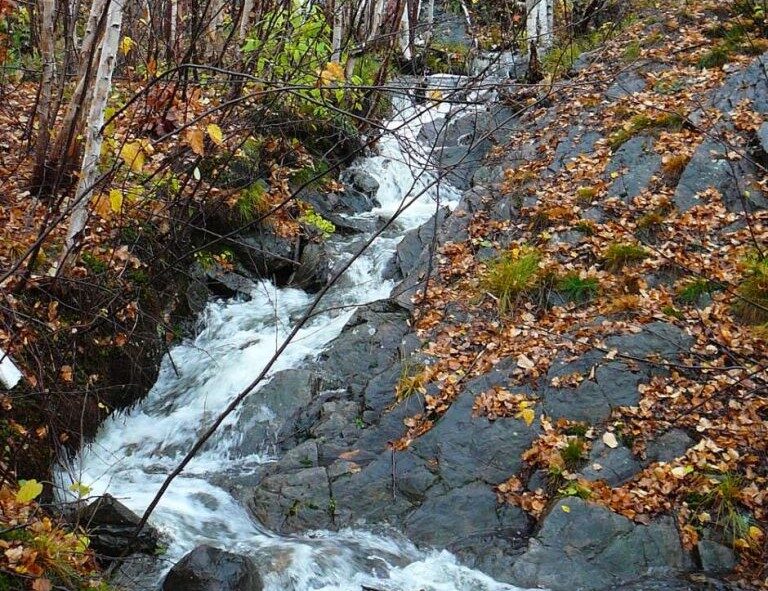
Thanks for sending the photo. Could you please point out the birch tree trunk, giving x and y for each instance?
(93, 136)
(430, 22)
(338, 30)
(172, 29)
(64, 146)
(45, 108)
(245, 19)
(540, 22)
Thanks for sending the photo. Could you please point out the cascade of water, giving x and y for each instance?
(135, 450)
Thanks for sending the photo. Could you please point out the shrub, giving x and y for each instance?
(642, 122)
(673, 167)
(620, 254)
(577, 288)
(412, 381)
(716, 57)
(690, 291)
(752, 304)
(252, 202)
(586, 194)
(573, 453)
(513, 274)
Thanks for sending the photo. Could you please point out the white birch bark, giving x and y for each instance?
(173, 25)
(376, 8)
(88, 53)
(540, 22)
(93, 136)
(245, 19)
(47, 11)
(338, 31)
(429, 22)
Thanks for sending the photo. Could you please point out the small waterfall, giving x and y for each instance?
(135, 450)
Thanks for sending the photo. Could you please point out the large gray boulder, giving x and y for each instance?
(611, 381)
(633, 165)
(582, 546)
(209, 569)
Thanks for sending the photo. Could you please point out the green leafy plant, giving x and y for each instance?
(314, 220)
(573, 453)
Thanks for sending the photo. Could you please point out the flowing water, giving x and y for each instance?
(135, 450)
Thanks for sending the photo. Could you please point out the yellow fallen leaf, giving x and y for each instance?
(681, 471)
(215, 133)
(528, 415)
(28, 491)
(133, 155)
(755, 533)
(565, 508)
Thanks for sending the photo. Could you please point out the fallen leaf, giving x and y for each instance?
(610, 440)
(196, 140)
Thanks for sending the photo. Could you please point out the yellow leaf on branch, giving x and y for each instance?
(133, 155)
(28, 491)
(116, 200)
(126, 45)
(333, 72)
(215, 133)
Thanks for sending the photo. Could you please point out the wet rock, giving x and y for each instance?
(410, 252)
(368, 345)
(710, 167)
(612, 383)
(458, 163)
(266, 255)
(449, 519)
(138, 572)
(111, 527)
(467, 448)
(206, 283)
(293, 502)
(636, 163)
(616, 465)
(361, 181)
(210, 569)
(580, 140)
(762, 138)
(715, 558)
(314, 270)
(672, 444)
(273, 409)
(747, 84)
(585, 546)
(629, 82)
